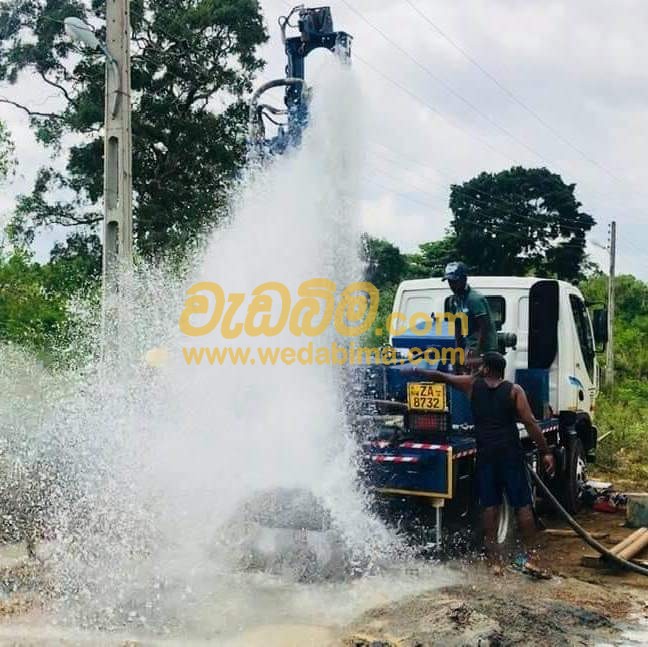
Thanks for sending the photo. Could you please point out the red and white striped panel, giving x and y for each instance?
(468, 452)
(408, 445)
(381, 444)
(394, 459)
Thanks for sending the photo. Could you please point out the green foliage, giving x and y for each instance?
(379, 335)
(625, 410)
(630, 324)
(193, 62)
(432, 258)
(385, 265)
(31, 314)
(520, 222)
(623, 453)
(75, 266)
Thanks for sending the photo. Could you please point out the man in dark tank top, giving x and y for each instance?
(497, 405)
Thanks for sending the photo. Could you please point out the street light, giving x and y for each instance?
(82, 32)
(79, 30)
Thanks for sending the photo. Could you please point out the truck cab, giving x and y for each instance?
(550, 321)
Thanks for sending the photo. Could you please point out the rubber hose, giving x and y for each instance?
(582, 533)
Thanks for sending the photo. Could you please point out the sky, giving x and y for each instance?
(466, 86)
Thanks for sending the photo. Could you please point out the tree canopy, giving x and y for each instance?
(385, 265)
(519, 222)
(432, 258)
(193, 62)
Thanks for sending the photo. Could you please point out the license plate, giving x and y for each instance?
(425, 396)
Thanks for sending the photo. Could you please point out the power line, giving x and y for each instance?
(445, 85)
(509, 229)
(459, 96)
(431, 108)
(510, 94)
(499, 202)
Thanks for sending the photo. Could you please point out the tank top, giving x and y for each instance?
(495, 419)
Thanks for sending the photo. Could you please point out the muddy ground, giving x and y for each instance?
(579, 606)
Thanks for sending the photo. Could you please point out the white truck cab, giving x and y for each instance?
(550, 320)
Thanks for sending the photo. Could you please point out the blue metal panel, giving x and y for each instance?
(411, 339)
(535, 382)
(429, 475)
(429, 472)
(460, 409)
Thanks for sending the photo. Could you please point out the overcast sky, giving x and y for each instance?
(578, 67)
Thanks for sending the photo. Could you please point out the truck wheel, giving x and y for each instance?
(574, 478)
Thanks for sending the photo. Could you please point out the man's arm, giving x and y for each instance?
(462, 382)
(525, 415)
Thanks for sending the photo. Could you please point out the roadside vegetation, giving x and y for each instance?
(624, 410)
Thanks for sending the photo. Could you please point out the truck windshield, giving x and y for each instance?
(584, 330)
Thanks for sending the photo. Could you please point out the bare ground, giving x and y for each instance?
(579, 606)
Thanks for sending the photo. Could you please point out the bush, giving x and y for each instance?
(624, 451)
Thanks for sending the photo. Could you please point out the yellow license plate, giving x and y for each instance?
(425, 396)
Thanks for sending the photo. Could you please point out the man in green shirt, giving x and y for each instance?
(482, 336)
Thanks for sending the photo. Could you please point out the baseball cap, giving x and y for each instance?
(455, 271)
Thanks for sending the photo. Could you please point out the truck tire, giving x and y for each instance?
(574, 478)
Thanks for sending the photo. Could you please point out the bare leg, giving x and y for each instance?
(490, 517)
(527, 528)
(529, 534)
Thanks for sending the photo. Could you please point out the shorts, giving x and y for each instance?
(502, 474)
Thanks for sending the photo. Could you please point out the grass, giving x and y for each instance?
(624, 453)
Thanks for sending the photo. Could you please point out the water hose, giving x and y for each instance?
(583, 534)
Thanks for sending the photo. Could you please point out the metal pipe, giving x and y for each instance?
(277, 83)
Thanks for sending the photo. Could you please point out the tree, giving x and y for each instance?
(519, 222)
(432, 258)
(630, 324)
(30, 314)
(193, 62)
(75, 266)
(385, 265)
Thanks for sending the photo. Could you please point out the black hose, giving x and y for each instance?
(583, 534)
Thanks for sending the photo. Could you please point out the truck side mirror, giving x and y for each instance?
(600, 324)
(506, 340)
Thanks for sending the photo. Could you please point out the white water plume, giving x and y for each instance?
(152, 462)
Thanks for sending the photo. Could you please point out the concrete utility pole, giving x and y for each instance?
(118, 179)
(609, 365)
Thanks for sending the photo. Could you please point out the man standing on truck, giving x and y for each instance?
(497, 405)
(482, 336)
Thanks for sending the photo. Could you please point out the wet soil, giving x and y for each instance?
(579, 606)
(467, 606)
(506, 611)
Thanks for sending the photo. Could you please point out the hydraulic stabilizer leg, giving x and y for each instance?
(438, 508)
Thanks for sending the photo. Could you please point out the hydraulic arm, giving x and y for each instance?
(315, 27)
